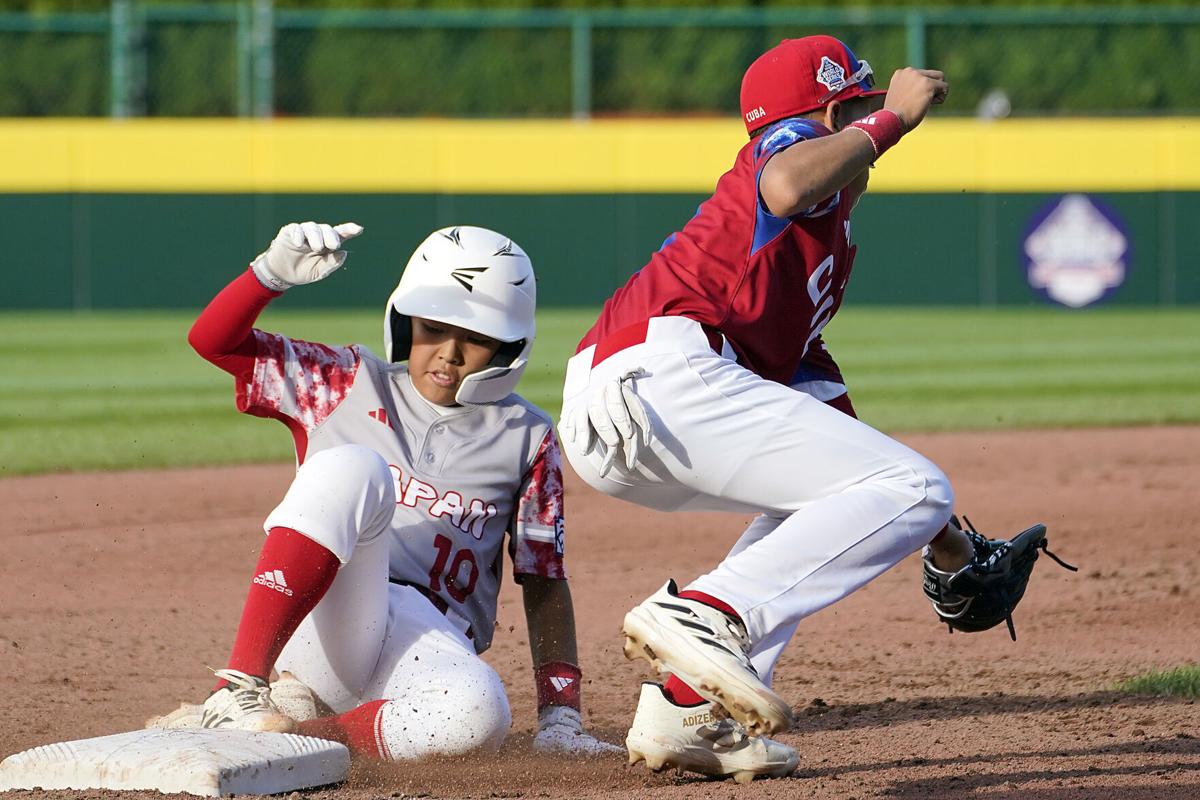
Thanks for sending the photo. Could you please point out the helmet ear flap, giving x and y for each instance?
(507, 353)
(401, 339)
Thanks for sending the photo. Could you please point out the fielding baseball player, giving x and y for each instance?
(376, 586)
(706, 385)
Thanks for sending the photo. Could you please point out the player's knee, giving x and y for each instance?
(339, 497)
(938, 502)
(348, 469)
(471, 714)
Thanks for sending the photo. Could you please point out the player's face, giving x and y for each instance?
(442, 355)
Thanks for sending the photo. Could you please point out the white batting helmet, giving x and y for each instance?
(476, 279)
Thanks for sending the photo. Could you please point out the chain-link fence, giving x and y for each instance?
(250, 58)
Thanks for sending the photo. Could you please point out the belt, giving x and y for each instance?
(633, 334)
(437, 600)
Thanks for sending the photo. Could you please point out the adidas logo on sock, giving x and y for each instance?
(273, 579)
(560, 684)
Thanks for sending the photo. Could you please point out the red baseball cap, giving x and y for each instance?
(801, 75)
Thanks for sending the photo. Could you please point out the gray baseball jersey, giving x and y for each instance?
(465, 476)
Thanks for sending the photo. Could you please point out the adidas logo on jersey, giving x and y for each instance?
(273, 579)
(560, 684)
(381, 415)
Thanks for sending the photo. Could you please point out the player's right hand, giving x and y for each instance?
(303, 252)
(912, 91)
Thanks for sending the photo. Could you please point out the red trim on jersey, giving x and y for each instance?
(633, 334)
(539, 508)
(223, 333)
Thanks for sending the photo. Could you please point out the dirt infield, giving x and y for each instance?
(118, 589)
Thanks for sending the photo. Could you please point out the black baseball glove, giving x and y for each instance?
(984, 593)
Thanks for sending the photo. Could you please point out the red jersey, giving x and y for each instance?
(768, 284)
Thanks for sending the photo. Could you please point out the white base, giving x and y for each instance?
(211, 763)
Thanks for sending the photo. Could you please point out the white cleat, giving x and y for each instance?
(293, 698)
(691, 738)
(186, 716)
(245, 704)
(709, 651)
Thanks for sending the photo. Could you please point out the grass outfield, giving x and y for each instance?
(123, 390)
(1178, 682)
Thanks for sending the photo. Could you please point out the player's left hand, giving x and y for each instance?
(614, 416)
(560, 731)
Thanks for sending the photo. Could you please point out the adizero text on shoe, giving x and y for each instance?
(244, 703)
(708, 650)
(691, 738)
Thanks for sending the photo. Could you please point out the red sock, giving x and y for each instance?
(680, 693)
(676, 690)
(292, 576)
(359, 729)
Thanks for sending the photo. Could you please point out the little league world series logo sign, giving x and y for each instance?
(1076, 252)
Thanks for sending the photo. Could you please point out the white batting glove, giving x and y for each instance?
(614, 416)
(303, 252)
(560, 731)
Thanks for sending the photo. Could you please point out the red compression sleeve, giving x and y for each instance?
(223, 333)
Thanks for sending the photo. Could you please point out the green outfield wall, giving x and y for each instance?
(162, 213)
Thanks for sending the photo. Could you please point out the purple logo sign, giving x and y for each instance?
(1076, 251)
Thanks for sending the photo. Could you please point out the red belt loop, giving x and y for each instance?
(633, 334)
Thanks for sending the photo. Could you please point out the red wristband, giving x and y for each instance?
(883, 128)
(558, 685)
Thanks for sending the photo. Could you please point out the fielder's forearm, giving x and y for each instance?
(550, 616)
(223, 333)
(806, 173)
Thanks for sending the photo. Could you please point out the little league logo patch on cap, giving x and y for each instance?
(831, 74)
(1076, 252)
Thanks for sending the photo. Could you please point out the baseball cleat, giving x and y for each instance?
(293, 698)
(691, 738)
(244, 703)
(708, 650)
(186, 716)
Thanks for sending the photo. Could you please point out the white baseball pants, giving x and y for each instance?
(369, 639)
(840, 502)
